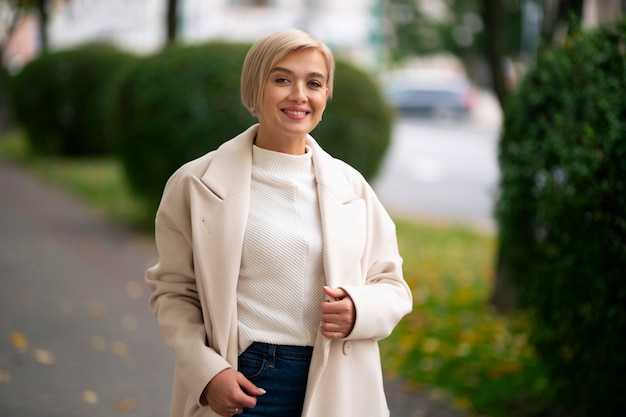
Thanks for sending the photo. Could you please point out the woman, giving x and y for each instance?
(278, 267)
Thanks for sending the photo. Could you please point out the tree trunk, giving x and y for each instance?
(492, 13)
(42, 12)
(558, 18)
(596, 12)
(171, 21)
(504, 295)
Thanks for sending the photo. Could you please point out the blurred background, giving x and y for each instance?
(447, 67)
(492, 130)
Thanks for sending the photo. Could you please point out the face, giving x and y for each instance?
(294, 99)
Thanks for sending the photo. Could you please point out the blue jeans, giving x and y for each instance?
(282, 371)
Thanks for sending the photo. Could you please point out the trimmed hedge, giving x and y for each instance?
(562, 214)
(174, 106)
(184, 101)
(357, 122)
(58, 99)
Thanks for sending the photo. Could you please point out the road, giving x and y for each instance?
(76, 336)
(441, 171)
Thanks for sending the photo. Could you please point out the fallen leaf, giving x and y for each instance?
(90, 397)
(430, 345)
(18, 341)
(44, 356)
(119, 348)
(125, 405)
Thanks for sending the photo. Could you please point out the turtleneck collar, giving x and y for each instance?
(282, 164)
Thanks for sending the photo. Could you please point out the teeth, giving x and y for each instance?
(293, 112)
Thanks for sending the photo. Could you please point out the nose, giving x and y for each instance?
(297, 92)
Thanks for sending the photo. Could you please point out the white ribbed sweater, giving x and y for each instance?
(280, 283)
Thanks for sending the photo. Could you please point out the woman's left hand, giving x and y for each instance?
(338, 314)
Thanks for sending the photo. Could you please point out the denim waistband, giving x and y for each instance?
(284, 351)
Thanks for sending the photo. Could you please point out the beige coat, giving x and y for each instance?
(199, 234)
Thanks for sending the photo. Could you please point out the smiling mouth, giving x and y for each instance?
(296, 112)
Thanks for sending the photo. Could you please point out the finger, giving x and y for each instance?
(248, 386)
(231, 411)
(333, 334)
(343, 307)
(335, 293)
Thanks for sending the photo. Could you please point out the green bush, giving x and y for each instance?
(58, 99)
(356, 126)
(562, 214)
(183, 102)
(174, 106)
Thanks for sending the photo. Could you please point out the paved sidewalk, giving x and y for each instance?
(76, 336)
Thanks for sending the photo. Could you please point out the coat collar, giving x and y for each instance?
(230, 170)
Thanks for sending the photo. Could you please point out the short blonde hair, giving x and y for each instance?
(264, 55)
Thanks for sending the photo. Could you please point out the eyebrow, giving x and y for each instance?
(313, 74)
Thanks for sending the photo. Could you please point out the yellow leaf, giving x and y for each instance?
(462, 403)
(119, 348)
(430, 345)
(44, 356)
(463, 350)
(18, 340)
(90, 397)
(125, 405)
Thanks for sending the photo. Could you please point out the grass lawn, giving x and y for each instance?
(452, 342)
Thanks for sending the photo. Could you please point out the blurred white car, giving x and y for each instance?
(429, 93)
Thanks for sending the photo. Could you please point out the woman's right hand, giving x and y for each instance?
(229, 392)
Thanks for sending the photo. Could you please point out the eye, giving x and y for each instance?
(282, 80)
(315, 84)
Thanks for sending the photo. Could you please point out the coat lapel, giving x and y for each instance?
(335, 194)
(219, 205)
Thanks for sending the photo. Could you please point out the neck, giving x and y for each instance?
(294, 145)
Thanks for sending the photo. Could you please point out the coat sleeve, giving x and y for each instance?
(175, 300)
(384, 298)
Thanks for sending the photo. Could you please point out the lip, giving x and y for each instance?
(296, 113)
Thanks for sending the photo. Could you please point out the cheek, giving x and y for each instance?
(321, 106)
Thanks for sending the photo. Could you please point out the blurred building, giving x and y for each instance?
(350, 27)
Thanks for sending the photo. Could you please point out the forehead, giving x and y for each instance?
(308, 60)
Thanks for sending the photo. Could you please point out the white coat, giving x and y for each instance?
(200, 228)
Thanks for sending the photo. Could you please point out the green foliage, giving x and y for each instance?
(58, 99)
(356, 127)
(183, 102)
(452, 341)
(418, 32)
(173, 107)
(562, 214)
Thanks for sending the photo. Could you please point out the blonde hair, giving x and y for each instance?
(264, 55)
